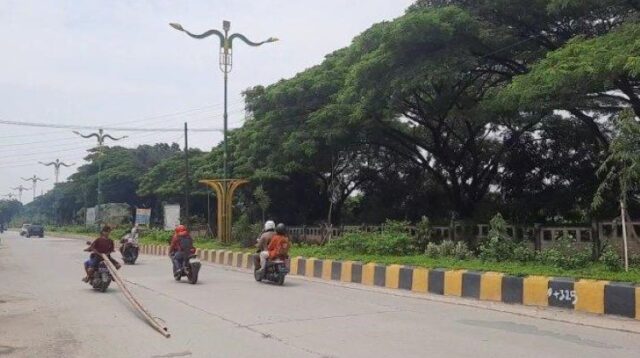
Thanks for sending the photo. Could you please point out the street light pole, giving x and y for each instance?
(100, 136)
(34, 179)
(56, 167)
(226, 64)
(20, 189)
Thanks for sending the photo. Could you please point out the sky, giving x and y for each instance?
(119, 64)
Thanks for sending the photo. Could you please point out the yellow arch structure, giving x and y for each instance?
(224, 189)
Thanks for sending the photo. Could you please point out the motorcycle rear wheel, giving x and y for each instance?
(280, 281)
(257, 275)
(193, 278)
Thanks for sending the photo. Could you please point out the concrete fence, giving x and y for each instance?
(540, 236)
(592, 296)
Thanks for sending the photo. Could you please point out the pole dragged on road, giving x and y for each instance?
(143, 311)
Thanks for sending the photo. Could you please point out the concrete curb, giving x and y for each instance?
(591, 296)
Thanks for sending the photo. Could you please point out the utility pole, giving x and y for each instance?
(20, 189)
(186, 174)
(56, 166)
(34, 180)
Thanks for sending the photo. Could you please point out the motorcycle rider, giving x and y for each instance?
(129, 239)
(262, 243)
(102, 245)
(181, 248)
(278, 245)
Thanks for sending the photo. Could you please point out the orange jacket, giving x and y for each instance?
(276, 244)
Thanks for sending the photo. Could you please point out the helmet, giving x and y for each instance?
(180, 228)
(281, 229)
(270, 225)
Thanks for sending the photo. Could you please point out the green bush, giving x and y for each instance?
(423, 235)
(522, 253)
(564, 254)
(157, 235)
(432, 250)
(389, 242)
(461, 251)
(447, 248)
(497, 247)
(244, 232)
(611, 259)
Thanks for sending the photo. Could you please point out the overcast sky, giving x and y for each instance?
(118, 63)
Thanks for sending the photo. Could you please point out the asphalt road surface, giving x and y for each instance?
(46, 311)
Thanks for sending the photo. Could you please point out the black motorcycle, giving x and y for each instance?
(101, 278)
(129, 253)
(190, 268)
(275, 271)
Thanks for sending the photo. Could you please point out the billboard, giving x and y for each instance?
(171, 216)
(143, 216)
(90, 218)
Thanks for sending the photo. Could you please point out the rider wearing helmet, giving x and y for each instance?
(279, 244)
(181, 247)
(262, 243)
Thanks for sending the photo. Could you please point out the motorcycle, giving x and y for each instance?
(101, 278)
(129, 251)
(275, 271)
(190, 268)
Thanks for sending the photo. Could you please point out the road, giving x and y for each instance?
(46, 311)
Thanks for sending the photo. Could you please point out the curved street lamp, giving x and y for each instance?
(225, 62)
(100, 136)
(34, 179)
(56, 167)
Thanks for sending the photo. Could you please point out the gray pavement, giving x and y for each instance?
(46, 311)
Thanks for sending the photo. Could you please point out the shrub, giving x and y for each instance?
(447, 248)
(423, 234)
(389, 242)
(497, 247)
(522, 253)
(432, 250)
(461, 251)
(634, 260)
(564, 254)
(157, 235)
(244, 232)
(611, 259)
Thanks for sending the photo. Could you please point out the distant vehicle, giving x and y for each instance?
(24, 229)
(29, 230)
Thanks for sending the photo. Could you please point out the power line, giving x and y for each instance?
(120, 129)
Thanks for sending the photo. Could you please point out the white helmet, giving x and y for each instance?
(269, 225)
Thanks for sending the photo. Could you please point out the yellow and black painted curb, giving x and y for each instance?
(593, 296)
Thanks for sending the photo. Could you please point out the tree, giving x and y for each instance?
(263, 200)
(622, 169)
(8, 210)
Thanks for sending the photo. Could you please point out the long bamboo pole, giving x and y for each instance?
(134, 302)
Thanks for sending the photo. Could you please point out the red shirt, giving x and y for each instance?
(102, 245)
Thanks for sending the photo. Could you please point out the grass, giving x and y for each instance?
(593, 271)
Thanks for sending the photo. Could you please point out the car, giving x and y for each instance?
(24, 229)
(29, 230)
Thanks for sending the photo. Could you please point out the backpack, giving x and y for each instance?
(185, 243)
